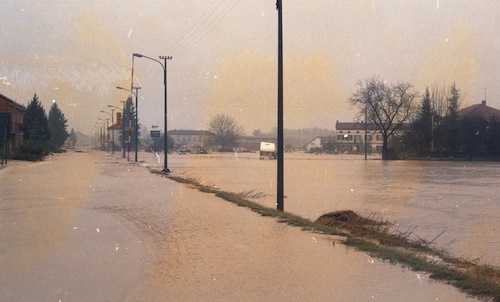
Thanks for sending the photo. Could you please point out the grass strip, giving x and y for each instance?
(478, 280)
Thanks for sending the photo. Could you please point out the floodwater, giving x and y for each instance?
(92, 227)
(454, 204)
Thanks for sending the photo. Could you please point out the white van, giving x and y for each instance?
(268, 150)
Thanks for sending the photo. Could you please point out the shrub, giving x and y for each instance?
(33, 151)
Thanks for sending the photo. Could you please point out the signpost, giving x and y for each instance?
(155, 135)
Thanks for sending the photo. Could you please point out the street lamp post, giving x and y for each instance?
(105, 125)
(164, 66)
(112, 132)
(99, 135)
(123, 128)
(136, 94)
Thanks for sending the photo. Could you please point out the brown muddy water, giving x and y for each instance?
(90, 227)
(212, 250)
(457, 202)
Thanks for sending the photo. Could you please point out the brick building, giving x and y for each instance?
(11, 125)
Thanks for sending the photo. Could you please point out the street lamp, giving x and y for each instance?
(136, 115)
(112, 131)
(106, 125)
(95, 131)
(101, 135)
(164, 66)
(98, 134)
(123, 128)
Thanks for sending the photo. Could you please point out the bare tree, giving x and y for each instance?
(439, 100)
(389, 107)
(226, 131)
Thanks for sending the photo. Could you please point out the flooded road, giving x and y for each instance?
(457, 202)
(53, 246)
(92, 227)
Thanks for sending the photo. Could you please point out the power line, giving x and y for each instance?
(193, 28)
(206, 26)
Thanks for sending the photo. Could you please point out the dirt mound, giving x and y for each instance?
(341, 218)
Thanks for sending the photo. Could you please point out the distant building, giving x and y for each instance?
(479, 110)
(11, 124)
(351, 137)
(321, 144)
(191, 138)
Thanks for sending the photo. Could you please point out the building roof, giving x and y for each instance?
(14, 103)
(479, 110)
(189, 132)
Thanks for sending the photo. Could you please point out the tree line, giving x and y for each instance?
(43, 133)
(425, 125)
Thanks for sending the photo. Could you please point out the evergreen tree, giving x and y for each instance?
(36, 126)
(72, 139)
(57, 126)
(451, 123)
(422, 126)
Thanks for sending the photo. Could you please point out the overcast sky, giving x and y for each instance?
(225, 56)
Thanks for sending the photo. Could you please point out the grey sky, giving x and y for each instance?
(224, 55)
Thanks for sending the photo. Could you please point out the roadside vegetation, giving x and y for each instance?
(379, 239)
(43, 134)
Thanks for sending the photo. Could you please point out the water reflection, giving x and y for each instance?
(457, 198)
(215, 251)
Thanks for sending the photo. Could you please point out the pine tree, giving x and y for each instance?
(57, 126)
(72, 139)
(422, 126)
(36, 126)
(451, 124)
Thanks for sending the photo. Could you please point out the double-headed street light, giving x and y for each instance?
(164, 66)
(136, 93)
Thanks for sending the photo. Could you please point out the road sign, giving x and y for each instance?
(155, 134)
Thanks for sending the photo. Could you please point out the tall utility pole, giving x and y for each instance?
(164, 66)
(112, 132)
(280, 172)
(366, 132)
(136, 121)
(165, 145)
